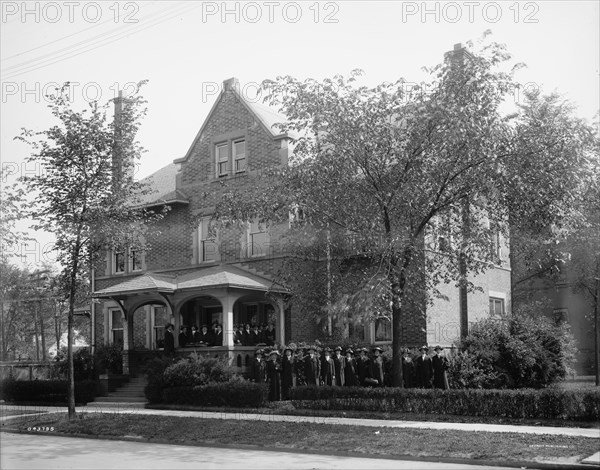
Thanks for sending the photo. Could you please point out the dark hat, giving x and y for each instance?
(338, 348)
(423, 347)
(274, 352)
(311, 348)
(327, 350)
(377, 348)
(258, 351)
(349, 351)
(287, 348)
(365, 350)
(438, 348)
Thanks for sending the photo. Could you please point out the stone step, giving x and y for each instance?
(118, 399)
(115, 405)
(125, 393)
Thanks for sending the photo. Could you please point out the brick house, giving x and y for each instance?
(193, 277)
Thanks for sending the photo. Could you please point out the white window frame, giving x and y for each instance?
(204, 237)
(502, 302)
(115, 262)
(132, 257)
(238, 157)
(250, 241)
(219, 159)
(111, 312)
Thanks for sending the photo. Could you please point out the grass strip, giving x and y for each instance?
(326, 438)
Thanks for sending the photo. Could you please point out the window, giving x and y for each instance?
(239, 156)
(222, 156)
(383, 329)
(258, 240)
(135, 260)
(119, 262)
(159, 320)
(207, 245)
(116, 326)
(495, 244)
(496, 306)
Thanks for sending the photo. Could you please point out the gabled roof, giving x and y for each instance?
(162, 184)
(266, 116)
(202, 278)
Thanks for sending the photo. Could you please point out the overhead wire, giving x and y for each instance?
(83, 46)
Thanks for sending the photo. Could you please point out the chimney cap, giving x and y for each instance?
(458, 46)
(231, 83)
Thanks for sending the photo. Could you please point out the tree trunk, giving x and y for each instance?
(42, 333)
(398, 283)
(35, 332)
(597, 333)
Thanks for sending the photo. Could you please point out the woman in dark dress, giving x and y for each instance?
(377, 367)
(439, 364)
(408, 369)
(258, 370)
(274, 376)
(288, 378)
(312, 369)
(350, 369)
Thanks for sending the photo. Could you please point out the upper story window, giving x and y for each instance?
(383, 329)
(128, 260)
(222, 155)
(230, 157)
(496, 307)
(207, 241)
(239, 155)
(258, 239)
(118, 262)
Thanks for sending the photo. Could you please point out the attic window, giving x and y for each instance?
(239, 155)
(222, 159)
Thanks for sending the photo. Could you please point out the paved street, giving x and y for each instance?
(20, 451)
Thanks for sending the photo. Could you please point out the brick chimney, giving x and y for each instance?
(231, 84)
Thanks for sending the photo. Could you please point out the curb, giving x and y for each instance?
(410, 458)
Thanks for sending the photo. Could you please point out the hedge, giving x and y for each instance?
(236, 394)
(580, 405)
(46, 391)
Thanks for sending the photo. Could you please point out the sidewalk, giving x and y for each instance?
(271, 417)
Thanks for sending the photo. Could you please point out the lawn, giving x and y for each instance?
(326, 438)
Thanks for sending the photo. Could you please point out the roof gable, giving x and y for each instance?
(265, 116)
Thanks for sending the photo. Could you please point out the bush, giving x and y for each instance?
(197, 370)
(551, 403)
(154, 370)
(521, 351)
(236, 393)
(46, 391)
(110, 358)
(83, 365)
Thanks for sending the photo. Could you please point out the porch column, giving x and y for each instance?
(280, 322)
(228, 302)
(127, 339)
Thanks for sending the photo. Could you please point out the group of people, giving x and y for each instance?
(202, 337)
(243, 335)
(345, 368)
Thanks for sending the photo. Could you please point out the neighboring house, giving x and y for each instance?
(194, 276)
(79, 341)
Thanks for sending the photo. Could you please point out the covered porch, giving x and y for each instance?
(225, 294)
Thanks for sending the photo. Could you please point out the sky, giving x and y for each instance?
(186, 49)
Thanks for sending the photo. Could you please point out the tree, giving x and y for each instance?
(419, 177)
(86, 195)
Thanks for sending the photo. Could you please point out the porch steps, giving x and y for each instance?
(131, 392)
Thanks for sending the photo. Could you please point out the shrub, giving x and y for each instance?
(110, 358)
(551, 403)
(83, 365)
(197, 370)
(154, 370)
(46, 391)
(521, 351)
(236, 393)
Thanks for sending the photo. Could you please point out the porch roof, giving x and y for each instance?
(201, 279)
